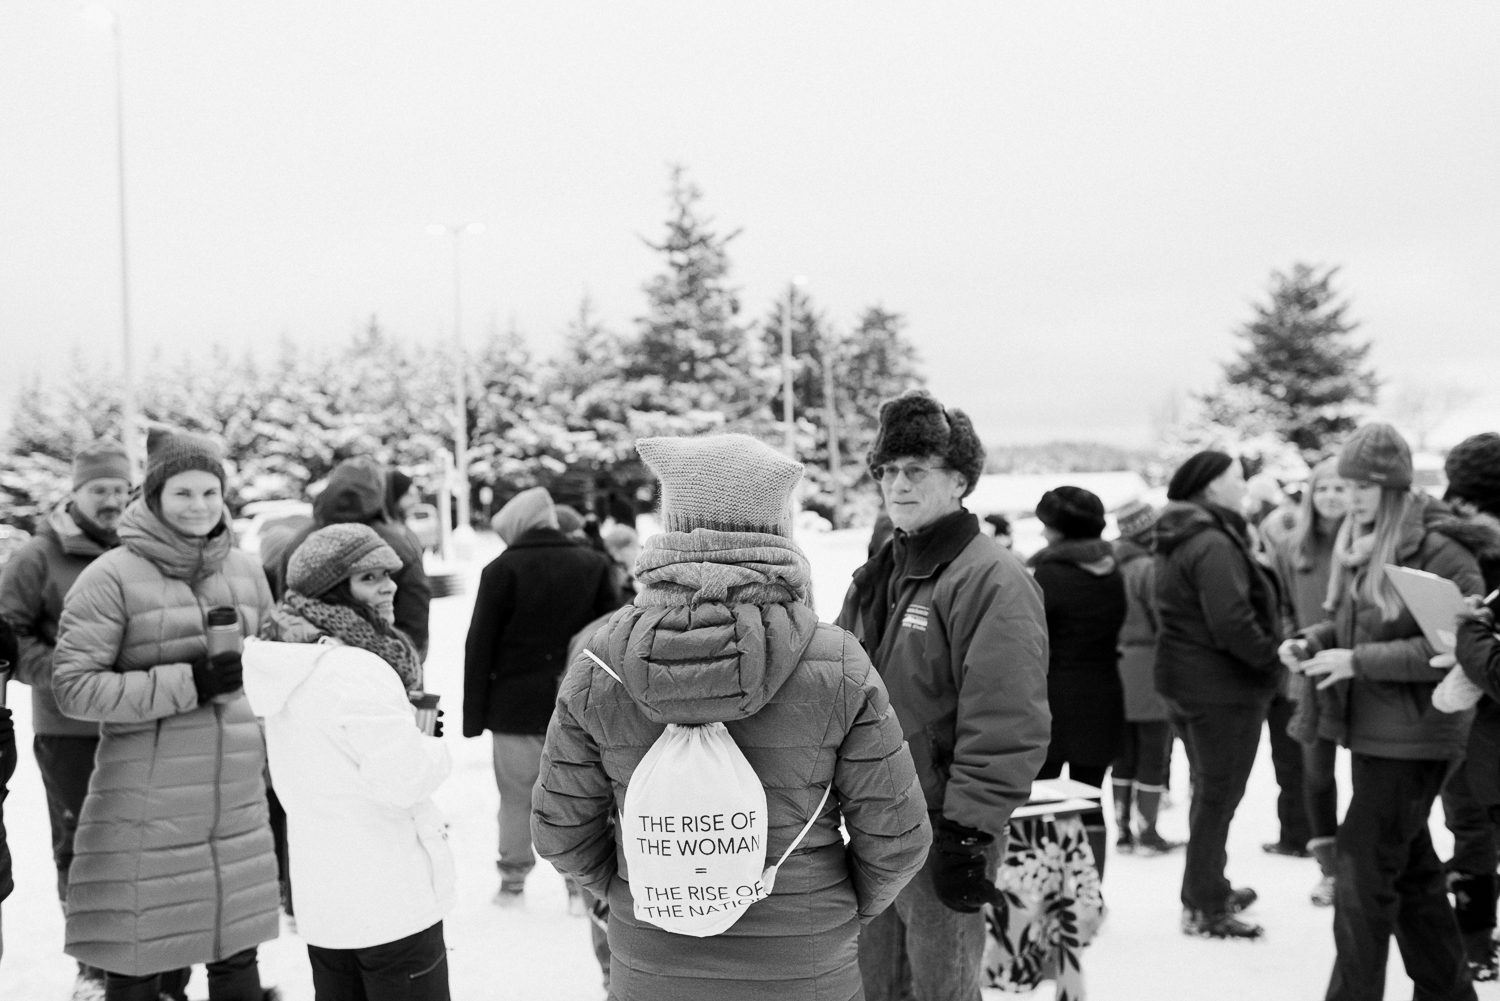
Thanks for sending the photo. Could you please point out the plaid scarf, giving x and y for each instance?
(348, 626)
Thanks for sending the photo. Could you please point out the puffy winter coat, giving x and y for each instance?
(1138, 635)
(173, 863)
(956, 628)
(368, 847)
(1218, 609)
(805, 707)
(1389, 709)
(1084, 596)
(32, 588)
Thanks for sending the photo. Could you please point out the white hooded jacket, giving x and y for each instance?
(369, 849)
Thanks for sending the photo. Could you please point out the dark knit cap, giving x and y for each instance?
(336, 553)
(397, 484)
(1196, 473)
(1075, 512)
(1377, 453)
(1473, 469)
(1135, 518)
(914, 426)
(171, 452)
(100, 460)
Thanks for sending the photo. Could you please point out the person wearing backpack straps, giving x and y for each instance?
(723, 633)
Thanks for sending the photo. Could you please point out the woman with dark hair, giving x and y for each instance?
(1375, 684)
(369, 856)
(1084, 597)
(1303, 559)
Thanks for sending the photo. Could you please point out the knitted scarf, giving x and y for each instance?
(348, 626)
(706, 565)
(1350, 556)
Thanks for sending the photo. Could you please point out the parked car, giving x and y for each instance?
(262, 520)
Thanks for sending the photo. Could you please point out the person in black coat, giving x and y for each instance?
(1217, 666)
(1084, 597)
(9, 655)
(532, 599)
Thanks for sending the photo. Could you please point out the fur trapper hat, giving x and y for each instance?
(1473, 469)
(1075, 512)
(915, 425)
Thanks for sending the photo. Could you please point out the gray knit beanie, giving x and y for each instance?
(1377, 453)
(100, 460)
(335, 554)
(725, 482)
(171, 452)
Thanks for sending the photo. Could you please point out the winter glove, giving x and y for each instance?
(437, 726)
(219, 676)
(959, 856)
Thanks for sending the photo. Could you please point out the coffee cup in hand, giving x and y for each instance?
(426, 704)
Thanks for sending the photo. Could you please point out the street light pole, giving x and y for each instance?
(460, 389)
(787, 386)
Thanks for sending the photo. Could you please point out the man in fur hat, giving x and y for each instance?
(956, 628)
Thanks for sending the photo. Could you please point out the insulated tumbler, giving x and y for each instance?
(4, 678)
(426, 703)
(222, 626)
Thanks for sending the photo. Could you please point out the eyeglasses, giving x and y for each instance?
(915, 473)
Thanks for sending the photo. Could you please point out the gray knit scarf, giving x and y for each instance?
(345, 624)
(705, 565)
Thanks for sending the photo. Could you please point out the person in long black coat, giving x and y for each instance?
(1084, 597)
(532, 599)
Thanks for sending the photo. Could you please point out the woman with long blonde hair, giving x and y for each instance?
(1375, 689)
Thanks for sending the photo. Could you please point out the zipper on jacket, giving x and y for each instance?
(213, 832)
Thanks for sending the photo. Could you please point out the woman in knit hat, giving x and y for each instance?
(177, 798)
(369, 859)
(1372, 656)
(724, 632)
(1084, 596)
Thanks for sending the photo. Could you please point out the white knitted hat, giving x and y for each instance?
(727, 482)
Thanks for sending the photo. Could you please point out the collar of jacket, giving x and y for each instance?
(923, 553)
(1092, 555)
(174, 554)
(66, 528)
(1181, 520)
(542, 536)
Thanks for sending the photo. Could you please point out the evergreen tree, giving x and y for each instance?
(877, 362)
(1298, 365)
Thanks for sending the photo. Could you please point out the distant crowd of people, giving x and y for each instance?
(222, 738)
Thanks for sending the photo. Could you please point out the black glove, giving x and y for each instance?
(959, 856)
(437, 726)
(224, 673)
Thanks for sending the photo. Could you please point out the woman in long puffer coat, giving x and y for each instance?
(1376, 685)
(368, 847)
(724, 632)
(173, 863)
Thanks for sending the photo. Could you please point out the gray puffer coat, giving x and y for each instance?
(173, 863)
(804, 705)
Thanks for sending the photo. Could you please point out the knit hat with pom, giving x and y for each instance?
(1473, 469)
(335, 554)
(171, 452)
(915, 425)
(725, 482)
(1377, 453)
(1075, 512)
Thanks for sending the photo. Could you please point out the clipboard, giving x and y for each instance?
(1435, 602)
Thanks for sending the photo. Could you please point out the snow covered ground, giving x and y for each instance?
(541, 953)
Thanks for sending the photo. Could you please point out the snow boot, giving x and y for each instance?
(1148, 804)
(1241, 899)
(1324, 850)
(1203, 925)
(1474, 907)
(89, 985)
(1124, 839)
(1098, 836)
(1286, 848)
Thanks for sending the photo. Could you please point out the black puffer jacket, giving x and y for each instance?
(1084, 597)
(7, 758)
(1479, 654)
(1220, 624)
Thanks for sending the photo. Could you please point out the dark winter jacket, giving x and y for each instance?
(1083, 593)
(1477, 653)
(1138, 634)
(532, 599)
(1218, 609)
(355, 494)
(7, 769)
(1389, 710)
(801, 701)
(32, 589)
(956, 627)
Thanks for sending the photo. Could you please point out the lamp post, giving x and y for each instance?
(787, 387)
(460, 394)
(105, 19)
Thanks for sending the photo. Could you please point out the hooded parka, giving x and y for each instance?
(173, 863)
(804, 705)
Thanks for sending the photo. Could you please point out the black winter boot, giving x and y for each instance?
(1474, 907)
(1124, 838)
(1149, 841)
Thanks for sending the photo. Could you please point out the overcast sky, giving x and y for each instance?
(1073, 204)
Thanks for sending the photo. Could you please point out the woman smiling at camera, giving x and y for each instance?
(1375, 687)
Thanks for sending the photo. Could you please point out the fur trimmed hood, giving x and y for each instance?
(1480, 534)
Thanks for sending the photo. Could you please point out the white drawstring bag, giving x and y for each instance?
(693, 829)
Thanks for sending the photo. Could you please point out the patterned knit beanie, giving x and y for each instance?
(1135, 518)
(1473, 469)
(101, 460)
(171, 452)
(1075, 512)
(914, 425)
(1377, 453)
(336, 553)
(725, 482)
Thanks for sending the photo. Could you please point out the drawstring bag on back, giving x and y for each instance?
(693, 829)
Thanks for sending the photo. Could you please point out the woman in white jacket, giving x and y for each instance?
(369, 853)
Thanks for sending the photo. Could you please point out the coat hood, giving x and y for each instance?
(273, 671)
(1180, 521)
(1093, 555)
(73, 540)
(1480, 534)
(355, 493)
(174, 554)
(707, 663)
